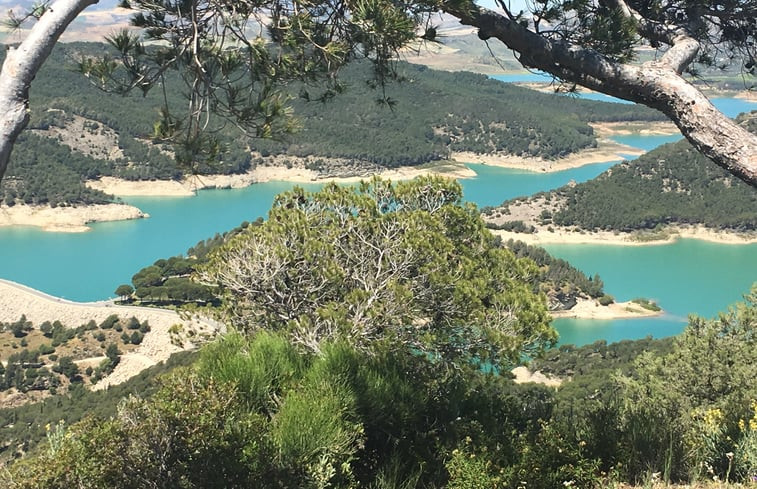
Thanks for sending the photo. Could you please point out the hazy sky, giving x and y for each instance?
(104, 17)
(111, 4)
(514, 4)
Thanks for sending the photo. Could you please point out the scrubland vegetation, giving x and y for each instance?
(258, 411)
(44, 359)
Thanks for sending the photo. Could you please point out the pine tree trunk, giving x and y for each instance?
(21, 66)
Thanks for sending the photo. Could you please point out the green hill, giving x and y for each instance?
(80, 133)
(671, 185)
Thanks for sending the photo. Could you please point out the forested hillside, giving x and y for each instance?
(672, 184)
(43, 171)
(91, 133)
(437, 112)
(559, 280)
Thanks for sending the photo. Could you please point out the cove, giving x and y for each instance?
(89, 266)
(687, 277)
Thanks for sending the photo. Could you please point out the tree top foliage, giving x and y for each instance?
(235, 57)
(400, 265)
(225, 46)
(725, 29)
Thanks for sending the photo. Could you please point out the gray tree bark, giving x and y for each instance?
(657, 84)
(21, 66)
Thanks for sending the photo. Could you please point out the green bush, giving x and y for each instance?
(647, 304)
(606, 300)
(109, 322)
(468, 470)
(190, 435)
(259, 368)
(317, 431)
(136, 338)
(684, 411)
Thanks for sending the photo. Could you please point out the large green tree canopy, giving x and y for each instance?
(403, 264)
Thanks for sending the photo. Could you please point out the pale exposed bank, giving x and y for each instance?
(606, 150)
(592, 309)
(16, 299)
(66, 219)
(670, 234)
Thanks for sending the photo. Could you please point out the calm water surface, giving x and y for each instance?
(685, 277)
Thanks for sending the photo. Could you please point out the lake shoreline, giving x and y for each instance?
(262, 174)
(592, 309)
(75, 219)
(68, 219)
(668, 235)
(606, 151)
(642, 128)
(274, 168)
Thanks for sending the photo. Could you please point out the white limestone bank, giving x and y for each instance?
(157, 346)
(66, 219)
(260, 174)
(606, 151)
(668, 235)
(592, 309)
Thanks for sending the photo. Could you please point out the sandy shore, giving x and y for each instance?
(748, 95)
(668, 236)
(66, 219)
(606, 150)
(605, 129)
(75, 219)
(16, 299)
(189, 185)
(591, 309)
(260, 174)
(141, 188)
(523, 375)
(300, 175)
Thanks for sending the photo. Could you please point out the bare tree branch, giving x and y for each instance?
(657, 84)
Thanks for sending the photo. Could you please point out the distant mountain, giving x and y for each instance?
(93, 24)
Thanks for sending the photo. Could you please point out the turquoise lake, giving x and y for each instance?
(685, 277)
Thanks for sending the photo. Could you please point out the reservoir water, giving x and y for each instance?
(684, 277)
